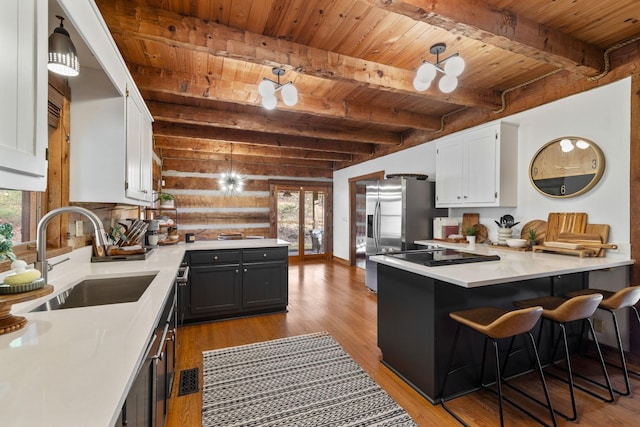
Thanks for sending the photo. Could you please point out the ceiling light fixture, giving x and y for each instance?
(453, 67)
(231, 182)
(268, 88)
(63, 58)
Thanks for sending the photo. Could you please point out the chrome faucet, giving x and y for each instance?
(41, 231)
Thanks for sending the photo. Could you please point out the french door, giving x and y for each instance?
(302, 219)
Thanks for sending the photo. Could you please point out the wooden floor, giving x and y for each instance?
(327, 296)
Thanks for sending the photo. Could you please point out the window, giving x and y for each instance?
(20, 209)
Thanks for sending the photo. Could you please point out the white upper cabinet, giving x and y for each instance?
(23, 110)
(111, 127)
(139, 137)
(478, 168)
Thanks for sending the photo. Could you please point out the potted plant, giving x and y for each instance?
(6, 234)
(470, 233)
(532, 237)
(166, 200)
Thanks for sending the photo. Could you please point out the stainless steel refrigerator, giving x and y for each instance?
(399, 211)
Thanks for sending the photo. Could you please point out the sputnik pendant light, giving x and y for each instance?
(231, 182)
(63, 58)
(453, 67)
(268, 88)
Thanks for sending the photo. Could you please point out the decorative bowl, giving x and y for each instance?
(516, 243)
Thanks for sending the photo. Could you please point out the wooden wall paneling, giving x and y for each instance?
(634, 189)
(57, 193)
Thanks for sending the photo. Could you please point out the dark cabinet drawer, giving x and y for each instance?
(264, 254)
(215, 257)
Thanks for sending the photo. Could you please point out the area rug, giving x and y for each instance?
(306, 380)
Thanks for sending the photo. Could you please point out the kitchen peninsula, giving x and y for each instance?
(415, 333)
(75, 366)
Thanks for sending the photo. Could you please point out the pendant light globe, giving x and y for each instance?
(426, 72)
(266, 88)
(448, 84)
(420, 85)
(454, 66)
(269, 102)
(289, 94)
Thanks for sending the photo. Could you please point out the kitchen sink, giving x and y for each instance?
(92, 292)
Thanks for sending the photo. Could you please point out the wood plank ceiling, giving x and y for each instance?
(198, 64)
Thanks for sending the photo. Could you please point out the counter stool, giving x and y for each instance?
(627, 297)
(497, 323)
(561, 311)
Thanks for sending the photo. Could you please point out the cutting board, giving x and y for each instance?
(537, 224)
(602, 230)
(469, 219)
(565, 222)
(481, 233)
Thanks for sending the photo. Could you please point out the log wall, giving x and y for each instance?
(203, 209)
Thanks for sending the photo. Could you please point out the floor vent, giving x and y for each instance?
(189, 381)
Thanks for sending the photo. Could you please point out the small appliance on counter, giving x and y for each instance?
(151, 236)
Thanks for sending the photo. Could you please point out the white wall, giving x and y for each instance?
(601, 115)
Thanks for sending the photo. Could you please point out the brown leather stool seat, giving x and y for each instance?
(562, 311)
(612, 301)
(497, 323)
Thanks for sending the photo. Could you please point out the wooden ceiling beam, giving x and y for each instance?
(250, 137)
(175, 113)
(503, 29)
(128, 21)
(203, 87)
(240, 158)
(209, 146)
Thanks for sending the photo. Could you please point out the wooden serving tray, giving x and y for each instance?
(9, 322)
(509, 248)
(579, 252)
(451, 240)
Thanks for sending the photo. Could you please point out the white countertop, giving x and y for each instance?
(73, 367)
(512, 266)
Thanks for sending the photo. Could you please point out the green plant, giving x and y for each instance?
(533, 235)
(470, 230)
(6, 234)
(165, 197)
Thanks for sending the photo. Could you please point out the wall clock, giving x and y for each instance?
(566, 167)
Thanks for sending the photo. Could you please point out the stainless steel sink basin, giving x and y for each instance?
(91, 292)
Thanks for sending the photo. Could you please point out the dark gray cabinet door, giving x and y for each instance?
(264, 284)
(215, 289)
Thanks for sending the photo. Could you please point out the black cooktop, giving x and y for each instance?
(437, 257)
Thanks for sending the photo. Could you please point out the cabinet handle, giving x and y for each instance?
(237, 271)
(215, 258)
(458, 197)
(465, 197)
(245, 270)
(264, 255)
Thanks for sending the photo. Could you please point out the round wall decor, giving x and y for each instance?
(566, 167)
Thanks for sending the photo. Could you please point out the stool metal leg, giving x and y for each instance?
(446, 377)
(498, 380)
(570, 373)
(623, 362)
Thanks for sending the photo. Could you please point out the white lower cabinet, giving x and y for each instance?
(478, 168)
(23, 110)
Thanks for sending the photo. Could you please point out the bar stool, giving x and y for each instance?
(497, 323)
(612, 301)
(561, 311)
